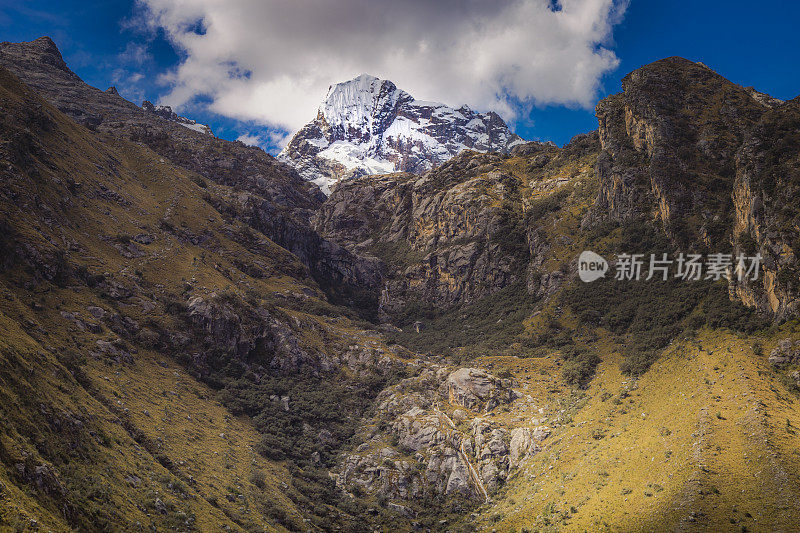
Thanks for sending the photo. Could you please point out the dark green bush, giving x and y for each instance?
(650, 314)
(488, 325)
(541, 207)
(580, 364)
(647, 315)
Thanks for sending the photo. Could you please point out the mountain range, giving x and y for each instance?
(195, 337)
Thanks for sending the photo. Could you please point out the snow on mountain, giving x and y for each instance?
(369, 126)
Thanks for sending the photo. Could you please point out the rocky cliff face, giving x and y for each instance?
(765, 217)
(669, 146)
(369, 126)
(712, 162)
(462, 231)
(444, 230)
(439, 435)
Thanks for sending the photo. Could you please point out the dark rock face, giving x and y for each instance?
(765, 191)
(227, 328)
(438, 234)
(457, 233)
(329, 263)
(669, 143)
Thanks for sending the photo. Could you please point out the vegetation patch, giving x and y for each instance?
(488, 326)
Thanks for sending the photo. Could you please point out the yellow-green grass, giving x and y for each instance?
(706, 439)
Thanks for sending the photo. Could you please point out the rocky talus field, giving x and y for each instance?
(194, 338)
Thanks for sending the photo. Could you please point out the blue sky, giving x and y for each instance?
(750, 44)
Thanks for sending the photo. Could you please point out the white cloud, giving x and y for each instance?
(272, 61)
(267, 140)
(250, 139)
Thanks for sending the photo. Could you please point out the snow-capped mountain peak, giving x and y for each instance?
(368, 126)
(356, 104)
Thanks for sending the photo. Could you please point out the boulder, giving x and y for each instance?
(785, 352)
(477, 390)
(144, 238)
(520, 445)
(541, 432)
(458, 481)
(97, 312)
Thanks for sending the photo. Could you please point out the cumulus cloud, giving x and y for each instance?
(271, 61)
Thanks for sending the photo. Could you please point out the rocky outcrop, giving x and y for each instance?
(332, 265)
(462, 231)
(229, 328)
(477, 390)
(413, 449)
(520, 445)
(439, 232)
(668, 146)
(225, 328)
(491, 450)
(765, 187)
(713, 163)
(369, 126)
(786, 352)
(166, 112)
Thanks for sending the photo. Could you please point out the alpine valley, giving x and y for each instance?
(383, 328)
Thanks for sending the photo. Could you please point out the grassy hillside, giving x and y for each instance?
(114, 416)
(706, 440)
(107, 446)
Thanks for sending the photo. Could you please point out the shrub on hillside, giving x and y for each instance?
(580, 364)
